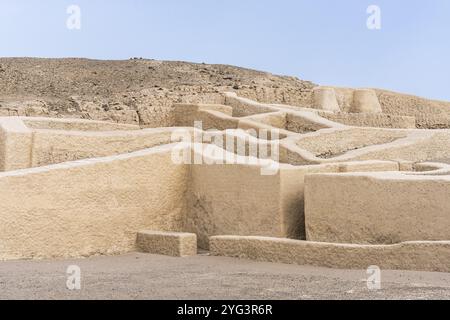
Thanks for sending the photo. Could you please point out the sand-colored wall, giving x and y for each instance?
(403, 104)
(396, 103)
(420, 147)
(430, 114)
(75, 125)
(15, 144)
(217, 117)
(97, 206)
(22, 147)
(51, 146)
(276, 119)
(376, 120)
(174, 244)
(364, 144)
(324, 98)
(365, 101)
(299, 122)
(377, 208)
(428, 121)
(328, 145)
(90, 207)
(243, 107)
(238, 199)
(422, 255)
(233, 199)
(292, 186)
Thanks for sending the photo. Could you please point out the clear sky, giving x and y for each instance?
(326, 41)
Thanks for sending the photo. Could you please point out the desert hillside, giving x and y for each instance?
(124, 91)
(142, 91)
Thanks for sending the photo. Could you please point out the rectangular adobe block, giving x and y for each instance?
(167, 243)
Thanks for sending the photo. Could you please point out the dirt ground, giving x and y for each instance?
(142, 276)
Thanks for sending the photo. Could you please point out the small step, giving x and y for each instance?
(173, 244)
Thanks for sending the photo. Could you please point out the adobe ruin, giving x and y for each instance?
(350, 185)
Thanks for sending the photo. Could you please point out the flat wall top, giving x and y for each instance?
(75, 124)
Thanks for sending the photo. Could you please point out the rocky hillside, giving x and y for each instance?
(140, 91)
(134, 91)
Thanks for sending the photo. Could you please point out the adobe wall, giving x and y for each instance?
(90, 207)
(50, 147)
(212, 116)
(418, 256)
(403, 104)
(332, 144)
(358, 101)
(420, 146)
(396, 103)
(376, 120)
(15, 144)
(359, 144)
(75, 124)
(237, 199)
(23, 144)
(428, 121)
(243, 107)
(233, 199)
(377, 208)
(102, 203)
(324, 98)
(430, 114)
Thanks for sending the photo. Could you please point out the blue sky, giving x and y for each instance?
(325, 41)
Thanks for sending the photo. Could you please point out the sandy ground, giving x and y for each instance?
(141, 276)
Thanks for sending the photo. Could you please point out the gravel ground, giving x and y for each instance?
(142, 276)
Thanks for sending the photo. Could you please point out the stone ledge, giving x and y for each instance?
(167, 243)
(376, 120)
(417, 256)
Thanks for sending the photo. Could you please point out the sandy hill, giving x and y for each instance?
(123, 91)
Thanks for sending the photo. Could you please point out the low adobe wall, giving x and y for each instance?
(394, 103)
(359, 144)
(233, 198)
(243, 107)
(237, 199)
(419, 256)
(403, 104)
(324, 98)
(419, 146)
(16, 142)
(90, 207)
(375, 120)
(377, 208)
(24, 144)
(336, 143)
(217, 117)
(428, 121)
(51, 147)
(75, 124)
